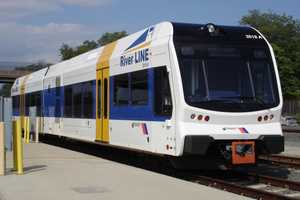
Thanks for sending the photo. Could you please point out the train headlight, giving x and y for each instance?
(259, 118)
(271, 117)
(266, 117)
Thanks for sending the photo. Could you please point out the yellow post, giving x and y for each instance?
(15, 144)
(28, 130)
(19, 149)
(2, 150)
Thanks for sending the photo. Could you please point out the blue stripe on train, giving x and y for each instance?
(136, 112)
(53, 106)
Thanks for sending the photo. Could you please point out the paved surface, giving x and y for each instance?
(55, 173)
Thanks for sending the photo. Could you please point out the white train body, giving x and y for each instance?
(139, 111)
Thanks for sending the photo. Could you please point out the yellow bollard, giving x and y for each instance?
(19, 148)
(2, 149)
(14, 122)
(28, 130)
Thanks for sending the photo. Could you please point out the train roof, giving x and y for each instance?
(88, 60)
(86, 63)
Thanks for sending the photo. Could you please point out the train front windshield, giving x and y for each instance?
(229, 78)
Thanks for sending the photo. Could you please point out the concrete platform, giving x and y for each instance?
(55, 173)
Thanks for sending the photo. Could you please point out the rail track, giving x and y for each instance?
(251, 185)
(287, 161)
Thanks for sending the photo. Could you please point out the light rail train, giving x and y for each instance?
(202, 95)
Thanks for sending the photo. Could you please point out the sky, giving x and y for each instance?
(34, 30)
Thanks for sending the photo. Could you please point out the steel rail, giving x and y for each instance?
(288, 161)
(239, 189)
(274, 181)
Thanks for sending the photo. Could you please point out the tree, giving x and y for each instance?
(107, 37)
(67, 52)
(5, 90)
(86, 46)
(283, 32)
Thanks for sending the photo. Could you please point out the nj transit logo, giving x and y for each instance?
(138, 51)
(240, 129)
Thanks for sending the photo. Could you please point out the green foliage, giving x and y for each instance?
(68, 52)
(5, 90)
(107, 37)
(283, 32)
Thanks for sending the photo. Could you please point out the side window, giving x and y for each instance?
(32, 99)
(88, 100)
(68, 107)
(16, 101)
(38, 103)
(27, 103)
(162, 92)
(121, 89)
(263, 82)
(57, 107)
(139, 87)
(77, 100)
(99, 99)
(105, 98)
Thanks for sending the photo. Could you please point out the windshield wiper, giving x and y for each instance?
(241, 99)
(234, 100)
(222, 100)
(255, 100)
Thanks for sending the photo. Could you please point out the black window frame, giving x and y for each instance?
(87, 100)
(99, 93)
(105, 98)
(16, 103)
(126, 80)
(68, 101)
(162, 89)
(129, 77)
(77, 101)
(133, 86)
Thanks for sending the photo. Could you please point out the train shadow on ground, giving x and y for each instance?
(148, 162)
(132, 158)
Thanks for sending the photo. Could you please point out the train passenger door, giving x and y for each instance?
(102, 105)
(102, 88)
